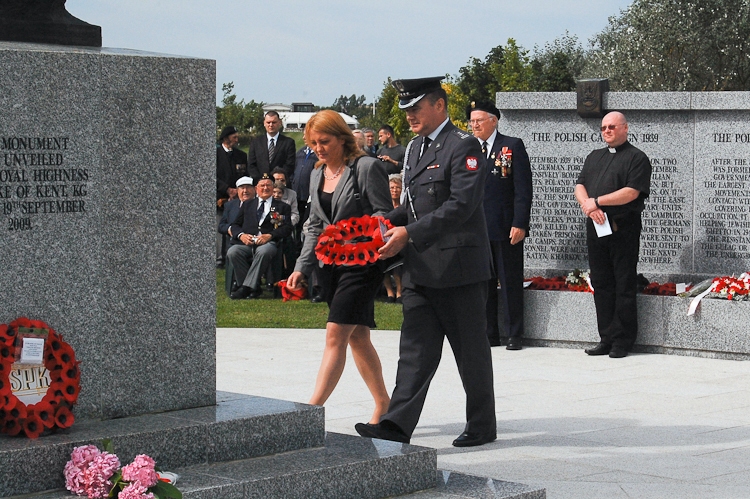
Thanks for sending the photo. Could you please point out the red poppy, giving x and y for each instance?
(6, 353)
(15, 408)
(64, 355)
(7, 334)
(45, 412)
(4, 386)
(20, 322)
(32, 426)
(71, 390)
(63, 417)
(11, 426)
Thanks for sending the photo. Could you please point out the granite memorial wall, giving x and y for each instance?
(697, 219)
(106, 194)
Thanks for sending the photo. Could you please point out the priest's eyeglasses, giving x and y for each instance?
(610, 127)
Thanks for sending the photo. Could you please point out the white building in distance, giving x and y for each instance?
(295, 117)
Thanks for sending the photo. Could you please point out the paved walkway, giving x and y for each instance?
(647, 426)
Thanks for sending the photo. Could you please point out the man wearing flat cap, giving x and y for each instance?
(231, 164)
(260, 225)
(441, 232)
(507, 208)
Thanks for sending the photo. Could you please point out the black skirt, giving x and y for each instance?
(350, 292)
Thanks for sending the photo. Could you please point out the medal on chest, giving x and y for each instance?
(503, 161)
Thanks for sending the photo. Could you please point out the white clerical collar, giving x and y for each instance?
(225, 148)
(612, 150)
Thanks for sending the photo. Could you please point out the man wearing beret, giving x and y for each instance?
(441, 231)
(231, 164)
(507, 207)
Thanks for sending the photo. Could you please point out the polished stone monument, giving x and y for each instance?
(697, 217)
(105, 195)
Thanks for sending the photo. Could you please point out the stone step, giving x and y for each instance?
(237, 427)
(345, 467)
(453, 485)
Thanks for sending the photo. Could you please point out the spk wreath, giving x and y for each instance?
(54, 410)
(354, 241)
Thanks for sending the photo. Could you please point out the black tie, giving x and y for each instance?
(425, 146)
(260, 210)
(484, 148)
(271, 151)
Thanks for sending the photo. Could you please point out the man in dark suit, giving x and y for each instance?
(259, 226)
(231, 164)
(443, 235)
(271, 150)
(245, 193)
(507, 208)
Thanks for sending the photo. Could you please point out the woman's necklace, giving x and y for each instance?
(335, 175)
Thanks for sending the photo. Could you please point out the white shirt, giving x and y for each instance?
(266, 208)
(275, 140)
(490, 141)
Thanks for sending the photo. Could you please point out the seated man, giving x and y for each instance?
(245, 192)
(259, 226)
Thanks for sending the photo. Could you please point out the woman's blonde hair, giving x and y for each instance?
(331, 123)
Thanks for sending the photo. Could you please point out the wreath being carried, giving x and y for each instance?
(59, 364)
(354, 241)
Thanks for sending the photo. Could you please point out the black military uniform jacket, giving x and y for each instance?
(448, 238)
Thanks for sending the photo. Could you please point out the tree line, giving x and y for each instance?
(653, 45)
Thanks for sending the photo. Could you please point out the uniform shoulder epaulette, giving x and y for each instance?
(461, 134)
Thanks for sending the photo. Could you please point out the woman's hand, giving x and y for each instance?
(295, 281)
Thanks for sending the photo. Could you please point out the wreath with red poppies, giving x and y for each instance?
(54, 410)
(354, 241)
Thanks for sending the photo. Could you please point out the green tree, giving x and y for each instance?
(247, 117)
(673, 45)
(556, 66)
(514, 74)
(387, 112)
(353, 106)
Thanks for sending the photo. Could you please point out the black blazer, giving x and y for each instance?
(448, 240)
(247, 221)
(257, 158)
(228, 169)
(508, 194)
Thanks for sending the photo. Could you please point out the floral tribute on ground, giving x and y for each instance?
(54, 410)
(96, 474)
(354, 241)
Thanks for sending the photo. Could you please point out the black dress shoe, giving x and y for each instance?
(220, 265)
(316, 299)
(391, 299)
(241, 293)
(599, 349)
(384, 430)
(617, 353)
(255, 293)
(514, 343)
(467, 439)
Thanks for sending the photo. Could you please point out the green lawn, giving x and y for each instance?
(274, 313)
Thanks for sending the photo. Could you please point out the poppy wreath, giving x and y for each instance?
(54, 410)
(354, 241)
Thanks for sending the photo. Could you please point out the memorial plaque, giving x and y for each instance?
(697, 216)
(722, 184)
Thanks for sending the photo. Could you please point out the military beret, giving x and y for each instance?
(411, 91)
(487, 107)
(227, 131)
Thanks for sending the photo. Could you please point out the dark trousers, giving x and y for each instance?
(508, 260)
(430, 315)
(614, 262)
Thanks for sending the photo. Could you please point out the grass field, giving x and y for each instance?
(274, 313)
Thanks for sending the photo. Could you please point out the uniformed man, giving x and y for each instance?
(507, 208)
(611, 190)
(443, 235)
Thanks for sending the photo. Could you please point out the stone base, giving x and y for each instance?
(718, 329)
(248, 447)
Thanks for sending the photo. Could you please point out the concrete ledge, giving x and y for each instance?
(568, 319)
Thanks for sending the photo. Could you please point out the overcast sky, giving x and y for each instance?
(315, 51)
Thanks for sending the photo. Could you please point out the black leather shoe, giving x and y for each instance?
(617, 353)
(599, 349)
(467, 439)
(241, 293)
(514, 343)
(388, 431)
(317, 299)
(255, 293)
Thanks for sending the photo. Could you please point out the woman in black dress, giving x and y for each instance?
(349, 289)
